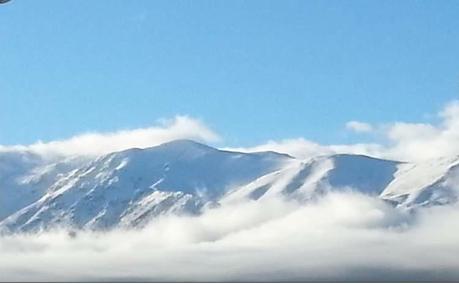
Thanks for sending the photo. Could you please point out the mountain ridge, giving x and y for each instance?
(131, 187)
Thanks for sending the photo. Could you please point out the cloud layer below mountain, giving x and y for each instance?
(341, 237)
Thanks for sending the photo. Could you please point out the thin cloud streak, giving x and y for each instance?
(359, 127)
(93, 144)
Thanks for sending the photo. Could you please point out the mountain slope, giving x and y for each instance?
(131, 186)
(434, 182)
(307, 179)
(25, 177)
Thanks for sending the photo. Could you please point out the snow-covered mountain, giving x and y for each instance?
(308, 179)
(131, 187)
(406, 185)
(434, 182)
(25, 177)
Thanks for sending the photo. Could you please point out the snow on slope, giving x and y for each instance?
(406, 185)
(433, 182)
(24, 178)
(305, 180)
(131, 186)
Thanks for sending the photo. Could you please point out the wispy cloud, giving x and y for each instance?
(358, 126)
(298, 147)
(181, 127)
(399, 140)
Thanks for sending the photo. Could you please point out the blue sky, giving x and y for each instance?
(251, 70)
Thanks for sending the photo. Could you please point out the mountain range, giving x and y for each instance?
(130, 188)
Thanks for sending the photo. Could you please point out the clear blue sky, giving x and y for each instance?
(252, 70)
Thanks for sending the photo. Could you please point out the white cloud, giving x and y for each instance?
(304, 149)
(181, 127)
(341, 237)
(299, 148)
(421, 141)
(400, 140)
(359, 127)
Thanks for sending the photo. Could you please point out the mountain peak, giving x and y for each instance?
(185, 143)
(174, 147)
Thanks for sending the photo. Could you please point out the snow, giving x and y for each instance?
(25, 177)
(131, 187)
(120, 187)
(433, 181)
(306, 179)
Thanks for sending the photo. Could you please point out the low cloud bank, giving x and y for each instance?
(340, 237)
